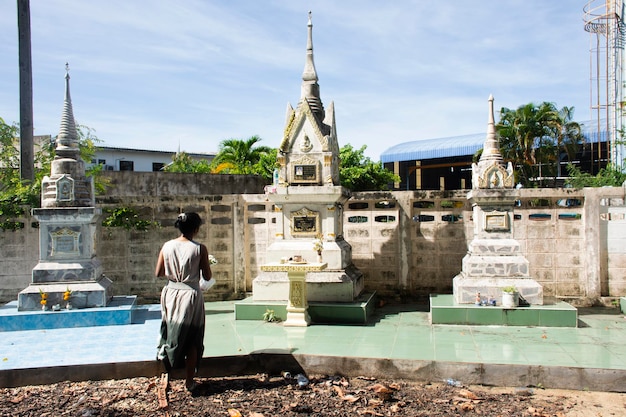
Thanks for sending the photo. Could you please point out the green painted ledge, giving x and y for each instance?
(444, 310)
(357, 312)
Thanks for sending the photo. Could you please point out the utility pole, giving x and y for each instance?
(26, 91)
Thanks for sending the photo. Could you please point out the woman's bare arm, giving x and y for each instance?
(205, 266)
(160, 266)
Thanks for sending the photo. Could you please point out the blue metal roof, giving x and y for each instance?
(434, 148)
(418, 150)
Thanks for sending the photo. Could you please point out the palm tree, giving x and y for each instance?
(239, 156)
(568, 135)
(534, 138)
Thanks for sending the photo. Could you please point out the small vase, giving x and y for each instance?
(44, 307)
(319, 258)
(510, 299)
(68, 306)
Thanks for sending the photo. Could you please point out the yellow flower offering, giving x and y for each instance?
(44, 297)
(67, 294)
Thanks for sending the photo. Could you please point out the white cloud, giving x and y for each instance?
(148, 73)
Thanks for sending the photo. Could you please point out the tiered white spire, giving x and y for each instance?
(491, 148)
(67, 140)
(67, 185)
(491, 171)
(310, 87)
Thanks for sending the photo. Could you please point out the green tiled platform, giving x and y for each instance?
(397, 342)
(444, 310)
(357, 312)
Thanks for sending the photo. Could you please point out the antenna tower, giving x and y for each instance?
(604, 22)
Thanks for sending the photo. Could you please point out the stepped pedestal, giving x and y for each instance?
(489, 266)
(67, 261)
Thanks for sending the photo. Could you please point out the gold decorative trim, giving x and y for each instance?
(289, 267)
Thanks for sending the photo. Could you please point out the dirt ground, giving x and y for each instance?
(264, 396)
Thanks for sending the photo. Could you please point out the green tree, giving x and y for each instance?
(9, 155)
(237, 156)
(359, 173)
(182, 162)
(536, 137)
(521, 133)
(15, 192)
(267, 163)
(609, 176)
(568, 134)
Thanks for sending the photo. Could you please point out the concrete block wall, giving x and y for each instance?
(129, 256)
(407, 243)
(19, 254)
(551, 230)
(615, 220)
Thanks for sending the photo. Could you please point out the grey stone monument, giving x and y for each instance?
(494, 259)
(68, 274)
(309, 199)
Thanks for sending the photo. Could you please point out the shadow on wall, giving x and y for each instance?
(408, 245)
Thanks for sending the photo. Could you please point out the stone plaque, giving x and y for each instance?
(64, 188)
(64, 243)
(305, 222)
(304, 174)
(497, 221)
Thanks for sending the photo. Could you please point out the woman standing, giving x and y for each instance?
(181, 261)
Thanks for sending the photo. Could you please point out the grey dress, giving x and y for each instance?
(182, 304)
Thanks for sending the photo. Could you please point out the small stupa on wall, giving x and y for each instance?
(494, 259)
(68, 274)
(308, 200)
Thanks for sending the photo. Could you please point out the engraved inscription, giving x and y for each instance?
(64, 243)
(496, 221)
(305, 222)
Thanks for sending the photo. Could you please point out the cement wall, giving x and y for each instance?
(407, 243)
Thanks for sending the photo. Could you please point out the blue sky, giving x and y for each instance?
(153, 74)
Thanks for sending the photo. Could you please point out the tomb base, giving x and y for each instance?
(358, 311)
(322, 286)
(445, 310)
(84, 294)
(465, 289)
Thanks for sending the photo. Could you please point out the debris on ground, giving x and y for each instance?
(267, 396)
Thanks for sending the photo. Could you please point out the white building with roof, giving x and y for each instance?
(140, 160)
